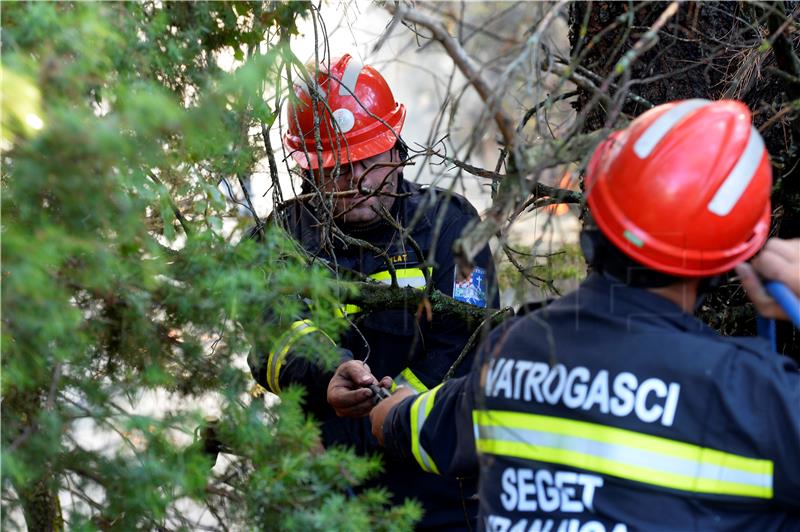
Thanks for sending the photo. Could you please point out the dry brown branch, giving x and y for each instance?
(187, 227)
(465, 64)
(623, 65)
(538, 190)
(517, 190)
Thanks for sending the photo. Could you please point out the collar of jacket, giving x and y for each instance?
(607, 295)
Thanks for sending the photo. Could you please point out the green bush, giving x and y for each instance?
(119, 285)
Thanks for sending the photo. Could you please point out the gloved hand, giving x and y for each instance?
(378, 414)
(779, 260)
(349, 393)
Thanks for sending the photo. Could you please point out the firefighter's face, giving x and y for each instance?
(374, 182)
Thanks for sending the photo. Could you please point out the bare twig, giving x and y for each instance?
(647, 41)
(250, 206)
(791, 107)
(465, 64)
(187, 228)
(349, 240)
(491, 320)
(538, 190)
(785, 54)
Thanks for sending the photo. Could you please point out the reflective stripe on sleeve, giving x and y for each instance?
(621, 453)
(419, 413)
(413, 277)
(277, 357)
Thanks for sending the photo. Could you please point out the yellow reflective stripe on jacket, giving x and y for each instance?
(407, 378)
(276, 358)
(621, 453)
(413, 277)
(419, 413)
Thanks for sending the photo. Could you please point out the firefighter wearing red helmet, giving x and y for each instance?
(357, 113)
(357, 148)
(614, 408)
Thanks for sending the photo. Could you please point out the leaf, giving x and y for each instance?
(21, 114)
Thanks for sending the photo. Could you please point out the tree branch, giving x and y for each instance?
(541, 156)
(785, 55)
(187, 227)
(492, 319)
(465, 64)
(538, 190)
(374, 296)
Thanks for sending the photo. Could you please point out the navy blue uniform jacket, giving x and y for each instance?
(414, 352)
(613, 410)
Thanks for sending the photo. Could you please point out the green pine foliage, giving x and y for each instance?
(119, 285)
(563, 269)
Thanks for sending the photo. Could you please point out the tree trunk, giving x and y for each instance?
(38, 496)
(42, 507)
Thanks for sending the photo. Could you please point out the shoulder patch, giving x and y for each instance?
(470, 289)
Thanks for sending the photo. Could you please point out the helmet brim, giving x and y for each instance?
(355, 151)
(670, 259)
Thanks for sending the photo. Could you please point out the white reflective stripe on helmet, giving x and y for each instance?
(347, 87)
(658, 129)
(320, 91)
(733, 187)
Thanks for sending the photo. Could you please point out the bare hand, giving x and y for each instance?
(778, 261)
(378, 414)
(348, 391)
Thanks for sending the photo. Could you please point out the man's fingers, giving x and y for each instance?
(345, 398)
(350, 403)
(752, 285)
(386, 382)
(357, 372)
(780, 261)
(765, 305)
(359, 410)
(787, 249)
(771, 266)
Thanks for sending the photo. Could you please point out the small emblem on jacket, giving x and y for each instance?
(470, 289)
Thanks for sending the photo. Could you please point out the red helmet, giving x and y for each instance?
(358, 116)
(685, 188)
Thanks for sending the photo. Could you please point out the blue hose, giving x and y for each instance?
(786, 299)
(790, 305)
